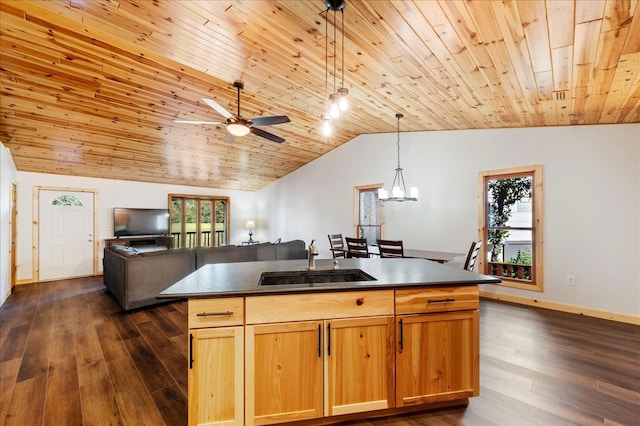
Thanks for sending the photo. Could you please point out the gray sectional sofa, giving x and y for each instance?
(134, 278)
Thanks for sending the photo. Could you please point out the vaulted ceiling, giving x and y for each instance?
(93, 88)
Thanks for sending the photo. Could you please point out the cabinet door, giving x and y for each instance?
(437, 357)
(216, 381)
(284, 372)
(359, 365)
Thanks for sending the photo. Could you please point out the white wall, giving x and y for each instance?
(7, 177)
(591, 200)
(115, 193)
(591, 196)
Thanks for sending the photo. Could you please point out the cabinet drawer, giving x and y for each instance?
(315, 306)
(216, 312)
(439, 299)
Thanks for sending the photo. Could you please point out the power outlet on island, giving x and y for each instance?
(571, 280)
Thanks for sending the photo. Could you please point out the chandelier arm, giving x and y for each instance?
(404, 187)
(395, 179)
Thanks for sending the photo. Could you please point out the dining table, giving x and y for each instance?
(433, 255)
(436, 256)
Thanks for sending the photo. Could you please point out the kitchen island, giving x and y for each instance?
(375, 337)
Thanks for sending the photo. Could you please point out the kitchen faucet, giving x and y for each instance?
(313, 252)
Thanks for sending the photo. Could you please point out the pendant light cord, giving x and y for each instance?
(326, 61)
(342, 47)
(334, 51)
(398, 116)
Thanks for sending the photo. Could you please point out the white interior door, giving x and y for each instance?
(65, 234)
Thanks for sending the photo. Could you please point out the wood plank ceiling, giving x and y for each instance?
(92, 88)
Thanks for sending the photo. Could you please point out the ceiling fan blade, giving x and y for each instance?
(199, 122)
(266, 135)
(268, 121)
(213, 104)
(229, 138)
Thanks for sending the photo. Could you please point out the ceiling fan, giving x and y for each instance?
(238, 126)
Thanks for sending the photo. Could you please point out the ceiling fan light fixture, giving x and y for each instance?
(238, 126)
(238, 129)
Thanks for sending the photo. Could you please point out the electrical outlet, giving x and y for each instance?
(571, 280)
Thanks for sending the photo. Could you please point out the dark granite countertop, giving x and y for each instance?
(241, 279)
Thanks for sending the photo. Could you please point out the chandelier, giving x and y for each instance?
(336, 102)
(398, 188)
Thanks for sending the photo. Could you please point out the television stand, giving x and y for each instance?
(143, 243)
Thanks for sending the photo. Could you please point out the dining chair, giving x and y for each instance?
(337, 245)
(357, 247)
(472, 255)
(390, 248)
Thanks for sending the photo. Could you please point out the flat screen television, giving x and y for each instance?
(136, 222)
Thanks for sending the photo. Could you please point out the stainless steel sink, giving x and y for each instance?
(314, 277)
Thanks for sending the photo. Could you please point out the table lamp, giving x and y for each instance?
(251, 225)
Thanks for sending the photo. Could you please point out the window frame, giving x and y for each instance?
(356, 208)
(199, 199)
(535, 171)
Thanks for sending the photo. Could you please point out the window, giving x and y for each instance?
(198, 221)
(67, 200)
(510, 218)
(369, 213)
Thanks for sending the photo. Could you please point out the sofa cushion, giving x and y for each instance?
(294, 249)
(125, 250)
(224, 254)
(230, 254)
(264, 251)
(147, 274)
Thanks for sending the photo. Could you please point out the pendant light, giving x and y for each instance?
(398, 187)
(336, 102)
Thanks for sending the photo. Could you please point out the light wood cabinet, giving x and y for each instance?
(438, 299)
(284, 372)
(313, 306)
(298, 370)
(216, 362)
(216, 389)
(359, 365)
(437, 354)
(266, 359)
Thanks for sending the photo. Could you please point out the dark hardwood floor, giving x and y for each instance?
(69, 356)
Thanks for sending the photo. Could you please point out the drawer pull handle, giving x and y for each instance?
(447, 300)
(215, 314)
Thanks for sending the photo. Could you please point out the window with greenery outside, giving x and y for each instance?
(510, 220)
(504, 196)
(192, 222)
